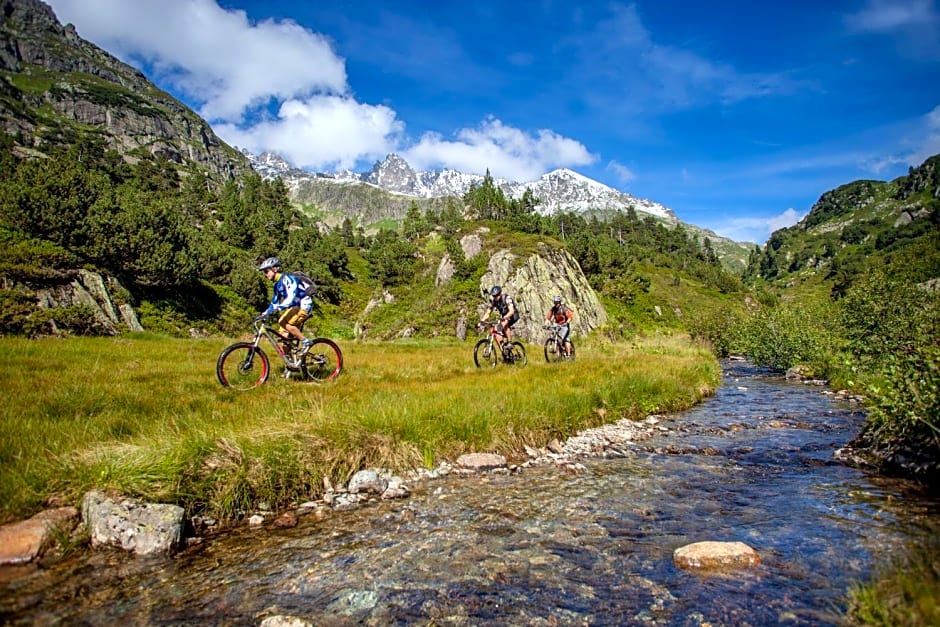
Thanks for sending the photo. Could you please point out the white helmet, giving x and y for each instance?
(270, 262)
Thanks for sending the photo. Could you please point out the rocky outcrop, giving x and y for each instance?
(534, 280)
(96, 292)
(22, 541)
(86, 87)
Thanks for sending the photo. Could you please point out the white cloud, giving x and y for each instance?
(928, 141)
(623, 66)
(216, 57)
(914, 24)
(622, 172)
(235, 70)
(886, 16)
(756, 229)
(507, 152)
(321, 133)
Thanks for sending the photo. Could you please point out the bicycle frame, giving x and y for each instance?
(278, 341)
(489, 350)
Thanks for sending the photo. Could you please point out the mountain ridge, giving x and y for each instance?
(558, 189)
(561, 190)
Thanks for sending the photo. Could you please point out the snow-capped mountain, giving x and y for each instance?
(559, 190)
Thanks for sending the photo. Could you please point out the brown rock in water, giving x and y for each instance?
(709, 554)
(20, 542)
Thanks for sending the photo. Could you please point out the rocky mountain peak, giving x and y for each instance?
(394, 175)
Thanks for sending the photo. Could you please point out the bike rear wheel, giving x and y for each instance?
(242, 366)
(323, 362)
(484, 354)
(517, 354)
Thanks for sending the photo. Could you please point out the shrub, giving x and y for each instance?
(721, 328)
(783, 336)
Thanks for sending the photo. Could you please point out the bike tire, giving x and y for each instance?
(552, 352)
(323, 362)
(242, 366)
(518, 355)
(571, 356)
(484, 353)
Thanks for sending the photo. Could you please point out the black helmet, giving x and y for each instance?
(270, 262)
(557, 300)
(496, 290)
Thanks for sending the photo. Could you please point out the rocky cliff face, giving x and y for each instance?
(55, 84)
(534, 280)
(95, 292)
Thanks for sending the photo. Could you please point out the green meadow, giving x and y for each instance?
(144, 416)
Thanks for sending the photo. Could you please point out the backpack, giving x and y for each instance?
(306, 283)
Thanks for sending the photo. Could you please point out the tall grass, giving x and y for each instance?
(145, 416)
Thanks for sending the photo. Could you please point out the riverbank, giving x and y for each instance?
(144, 416)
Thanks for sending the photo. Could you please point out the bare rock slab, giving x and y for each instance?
(480, 462)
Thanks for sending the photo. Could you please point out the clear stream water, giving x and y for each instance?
(544, 547)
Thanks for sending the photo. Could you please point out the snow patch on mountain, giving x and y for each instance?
(558, 191)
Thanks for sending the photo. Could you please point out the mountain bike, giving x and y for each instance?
(487, 352)
(244, 365)
(555, 345)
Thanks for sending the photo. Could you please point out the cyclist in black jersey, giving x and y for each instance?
(509, 315)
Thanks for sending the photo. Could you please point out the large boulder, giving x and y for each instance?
(534, 280)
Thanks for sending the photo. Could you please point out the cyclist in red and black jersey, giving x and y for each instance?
(561, 315)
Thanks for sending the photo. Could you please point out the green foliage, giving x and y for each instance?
(78, 320)
(791, 334)
(904, 591)
(19, 314)
(774, 337)
(722, 328)
(892, 329)
(84, 206)
(391, 258)
(30, 260)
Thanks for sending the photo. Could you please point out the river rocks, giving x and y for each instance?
(141, 528)
(21, 542)
(285, 621)
(479, 462)
(711, 555)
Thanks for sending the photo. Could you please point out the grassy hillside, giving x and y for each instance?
(892, 226)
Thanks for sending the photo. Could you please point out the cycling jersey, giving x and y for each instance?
(561, 314)
(288, 292)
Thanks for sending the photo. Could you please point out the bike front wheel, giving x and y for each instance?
(242, 366)
(323, 362)
(553, 352)
(484, 354)
(517, 354)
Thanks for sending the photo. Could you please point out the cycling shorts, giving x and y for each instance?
(295, 315)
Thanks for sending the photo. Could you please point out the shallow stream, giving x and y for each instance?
(544, 547)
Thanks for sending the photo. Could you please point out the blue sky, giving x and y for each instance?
(736, 115)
